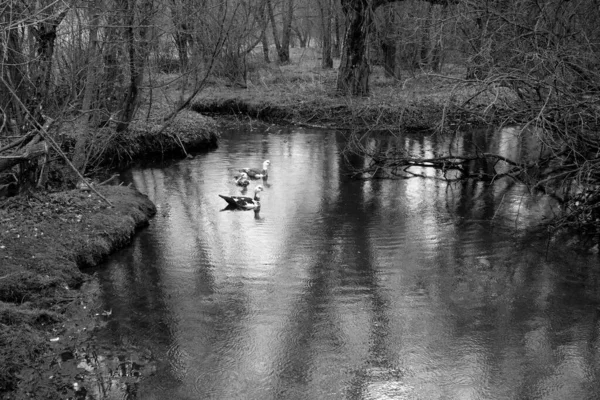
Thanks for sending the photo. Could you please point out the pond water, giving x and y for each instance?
(348, 289)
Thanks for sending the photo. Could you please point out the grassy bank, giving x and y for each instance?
(45, 240)
(48, 305)
(147, 136)
(302, 93)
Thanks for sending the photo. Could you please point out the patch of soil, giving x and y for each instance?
(47, 304)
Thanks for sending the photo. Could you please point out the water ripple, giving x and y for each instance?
(345, 289)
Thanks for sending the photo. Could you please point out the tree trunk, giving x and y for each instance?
(273, 26)
(265, 47)
(260, 15)
(41, 70)
(12, 73)
(388, 44)
(353, 76)
(181, 36)
(437, 50)
(286, 32)
(112, 75)
(181, 42)
(335, 51)
(424, 49)
(137, 59)
(478, 63)
(325, 8)
(82, 123)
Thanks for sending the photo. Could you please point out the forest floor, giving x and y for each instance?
(302, 93)
(48, 305)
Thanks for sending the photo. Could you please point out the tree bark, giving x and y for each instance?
(182, 36)
(263, 36)
(137, 50)
(425, 46)
(11, 57)
(353, 76)
(82, 123)
(388, 44)
(286, 31)
(41, 71)
(336, 48)
(273, 26)
(326, 58)
(481, 44)
(436, 51)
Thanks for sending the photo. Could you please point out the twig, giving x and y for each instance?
(7, 275)
(108, 180)
(17, 142)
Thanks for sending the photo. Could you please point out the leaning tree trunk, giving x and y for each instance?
(353, 76)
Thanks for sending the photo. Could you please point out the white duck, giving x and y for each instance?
(242, 180)
(256, 173)
(243, 202)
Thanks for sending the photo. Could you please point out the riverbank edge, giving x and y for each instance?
(48, 304)
(188, 132)
(46, 242)
(341, 113)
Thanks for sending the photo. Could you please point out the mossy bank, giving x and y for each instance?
(45, 241)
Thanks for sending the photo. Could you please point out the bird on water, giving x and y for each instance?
(244, 202)
(257, 173)
(242, 180)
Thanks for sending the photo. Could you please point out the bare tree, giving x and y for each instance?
(282, 43)
(535, 65)
(388, 41)
(83, 120)
(326, 14)
(353, 76)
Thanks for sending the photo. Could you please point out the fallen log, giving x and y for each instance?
(29, 152)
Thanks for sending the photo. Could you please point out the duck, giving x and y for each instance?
(242, 180)
(243, 202)
(256, 173)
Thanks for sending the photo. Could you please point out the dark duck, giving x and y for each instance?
(243, 202)
(256, 173)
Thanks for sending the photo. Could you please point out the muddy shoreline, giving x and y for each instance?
(49, 305)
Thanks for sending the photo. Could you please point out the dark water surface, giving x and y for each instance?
(346, 289)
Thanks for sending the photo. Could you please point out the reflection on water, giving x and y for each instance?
(345, 289)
